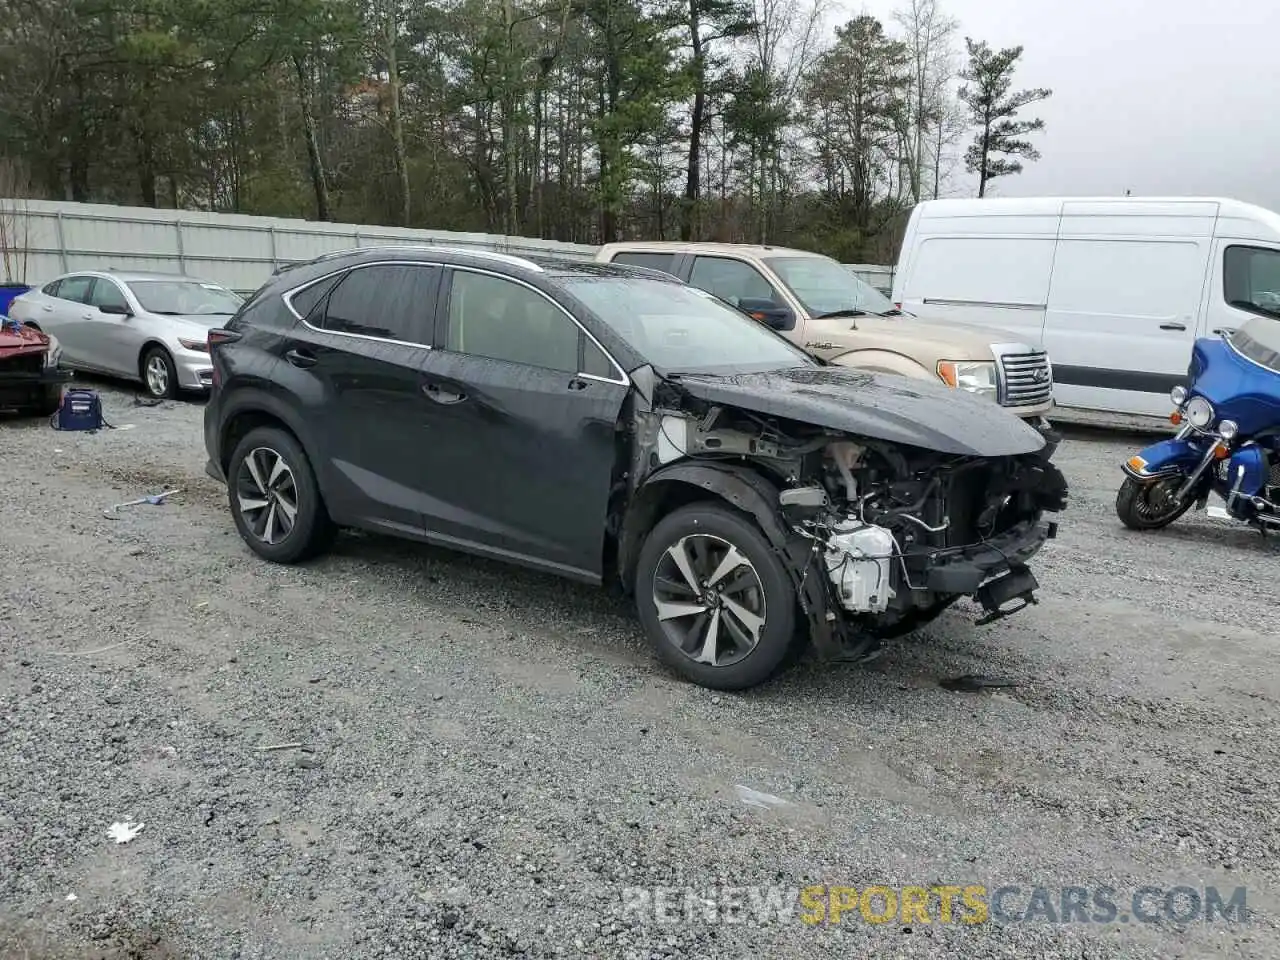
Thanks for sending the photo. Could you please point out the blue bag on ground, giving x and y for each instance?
(80, 410)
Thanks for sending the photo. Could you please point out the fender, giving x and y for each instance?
(744, 489)
(251, 400)
(757, 496)
(880, 361)
(1167, 458)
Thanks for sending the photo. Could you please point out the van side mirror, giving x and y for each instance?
(767, 312)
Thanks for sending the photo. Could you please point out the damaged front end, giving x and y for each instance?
(879, 536)
(31, 378)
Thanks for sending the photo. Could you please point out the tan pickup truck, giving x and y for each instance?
(820, 305)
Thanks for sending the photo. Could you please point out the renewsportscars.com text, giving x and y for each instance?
(965, 904)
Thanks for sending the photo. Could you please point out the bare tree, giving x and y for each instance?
(928, 34)
(15, 221)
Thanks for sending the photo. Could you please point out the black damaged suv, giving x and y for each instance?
(613, 425)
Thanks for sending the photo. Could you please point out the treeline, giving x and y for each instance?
(578, 120)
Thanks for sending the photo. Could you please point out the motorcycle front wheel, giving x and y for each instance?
(1150, 506)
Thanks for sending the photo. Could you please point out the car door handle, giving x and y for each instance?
(48, 308)
(1173, 326)
(440, 395)
(1223, 331)
(86, 316)
(300, 359)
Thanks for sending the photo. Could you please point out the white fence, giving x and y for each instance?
(53, 237)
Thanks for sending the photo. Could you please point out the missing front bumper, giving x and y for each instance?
(1015, 585)
(963, 571)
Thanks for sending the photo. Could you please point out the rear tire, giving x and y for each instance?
(275, 500)
(733, 625)
(1150, 506)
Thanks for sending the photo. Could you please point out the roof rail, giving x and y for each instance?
(434, 247)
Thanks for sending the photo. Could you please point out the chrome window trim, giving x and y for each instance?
(625, 381)
(288, 296)
(479, 252)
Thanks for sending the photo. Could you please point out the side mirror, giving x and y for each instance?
(768, 313)
(115, 310)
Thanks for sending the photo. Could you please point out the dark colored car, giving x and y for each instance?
(31, 376)
(614, 425)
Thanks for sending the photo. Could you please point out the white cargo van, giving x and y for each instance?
(1116, 289)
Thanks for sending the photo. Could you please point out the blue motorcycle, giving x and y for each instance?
(1228, 440)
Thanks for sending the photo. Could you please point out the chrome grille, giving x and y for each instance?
(1025, 379)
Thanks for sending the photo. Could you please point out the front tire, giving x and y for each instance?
(275, 500)
(1150, 506)
(159, 375)
(714, 598)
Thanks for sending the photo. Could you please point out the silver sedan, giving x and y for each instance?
(148, 327)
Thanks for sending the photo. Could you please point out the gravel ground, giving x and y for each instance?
(490, 757)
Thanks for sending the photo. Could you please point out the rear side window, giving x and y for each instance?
(51, 289)
(654, 261)
(305, 301)
(75, 288)
(387, 301)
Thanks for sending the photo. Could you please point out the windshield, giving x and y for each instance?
(681, 329)
(184, 297)
(824, 286)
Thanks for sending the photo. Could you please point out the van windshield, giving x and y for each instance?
(824, 287)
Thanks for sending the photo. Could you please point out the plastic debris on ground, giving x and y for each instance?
(155, 499)
(124, 831)
(754, 798)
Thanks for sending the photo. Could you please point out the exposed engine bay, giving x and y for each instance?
(881, 536)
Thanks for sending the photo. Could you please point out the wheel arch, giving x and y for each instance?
(252, 409)
(146, 348)
(682, 483)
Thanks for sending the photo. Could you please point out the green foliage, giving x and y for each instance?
(993, 107)
(579, 120)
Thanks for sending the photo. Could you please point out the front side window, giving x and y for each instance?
(731, 280)
(1251, 279)
(682, 329)
(75, 289)
(191, 298)
(497, 318)
(824, 287)
(107, 294)
(392, 301)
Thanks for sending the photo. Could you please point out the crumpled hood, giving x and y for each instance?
(879, 406)
(16, 338)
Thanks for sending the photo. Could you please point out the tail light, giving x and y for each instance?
(216, 337)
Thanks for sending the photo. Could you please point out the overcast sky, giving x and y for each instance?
(1174, 97)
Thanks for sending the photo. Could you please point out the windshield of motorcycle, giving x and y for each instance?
(1259, 340)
